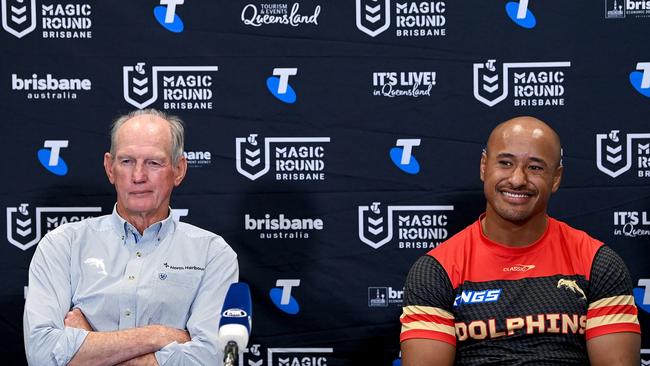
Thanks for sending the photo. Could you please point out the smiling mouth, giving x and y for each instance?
(516, 195)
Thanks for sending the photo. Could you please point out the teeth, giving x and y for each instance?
(515, 195)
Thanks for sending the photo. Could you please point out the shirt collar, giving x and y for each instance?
(161, 228)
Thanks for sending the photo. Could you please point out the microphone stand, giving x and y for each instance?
(231, 354)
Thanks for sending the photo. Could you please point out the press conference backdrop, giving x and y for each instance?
(330, 143)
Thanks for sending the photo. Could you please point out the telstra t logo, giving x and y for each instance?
(402, 155)
(50, 159)
(642, 294)
(282, 298)
(166, 15)
(640, 80)
(279, 86)
(520, 14)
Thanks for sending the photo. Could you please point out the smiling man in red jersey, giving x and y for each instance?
(518, 287)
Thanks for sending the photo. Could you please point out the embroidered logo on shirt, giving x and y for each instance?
(162, 276)
(97, 262)
(519, 268)
(571, 285)
(178, 268)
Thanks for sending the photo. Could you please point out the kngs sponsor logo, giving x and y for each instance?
(403, 84)
(50, 156)
(279, 86)
(198, 159)
(412, 18)
(533, 84)
(294, 158)
(67, 21)
(282, 227)
(519, 268)
(284, 356)
(640, 80)
(49, 87)
(264, 14)
(642, 294)
(417, 226)
(477, 297)
(617, 9)
(166, 15)
(632, 224)
(281, 296)
(183, 87)
(616, 154)
(24, 226)
(402, 155)
(384, 296)
(520, 14)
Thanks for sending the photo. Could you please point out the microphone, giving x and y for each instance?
(235, 324)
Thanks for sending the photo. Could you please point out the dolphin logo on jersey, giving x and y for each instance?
(571, 285)
(98, 263)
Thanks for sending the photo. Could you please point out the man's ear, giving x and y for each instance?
(180, 170)
(557, 178)
(483, 163)
(108, 167)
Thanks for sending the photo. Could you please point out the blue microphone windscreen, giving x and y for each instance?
(237, 306)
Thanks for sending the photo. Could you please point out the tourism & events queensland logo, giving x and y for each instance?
(403, 83)
(50, 157)
(632, 224)
(418, 227)
(412, 18)
(281, 226)
(640, 79)
(617, 153)
(384, 297)
(257, 15)
(68, 21)
(619, 9)
(292, 158)
(531, 83)
(402, 155)
(49, 87)
(286, 356)
(25, 226)
(166, 15)
(183, 87)
(520, 14)
(279, 86)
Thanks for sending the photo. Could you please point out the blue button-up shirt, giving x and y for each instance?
(174, 274)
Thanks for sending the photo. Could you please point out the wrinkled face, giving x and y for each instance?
(519, 172)
(142, 170)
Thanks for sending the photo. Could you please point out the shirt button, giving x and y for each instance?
(127, 312)
(138, 254)
(131, 278)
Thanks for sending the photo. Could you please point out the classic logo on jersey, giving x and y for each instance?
(632, 224)
(385, 296)
(531, 83)
(257, 15)
(402, 155)
(50, 156)
(619, 9)
(69, 21)
(477, 297)
(393, 84)
(572, 286)
(279, 86)
(616, 154)
(640, 79)
(183, 87)
(281, 226)
(519, 268)
(520, 14)
(413, 18)
(642, 294)
(294, 158)
(198, 159)
(284, 356)
(281, 296)
(166, 15)
(25, 225)
(49, 87)
(417, 226)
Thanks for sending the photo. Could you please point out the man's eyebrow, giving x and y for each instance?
(512, 156)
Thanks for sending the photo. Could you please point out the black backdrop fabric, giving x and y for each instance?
(330, 143)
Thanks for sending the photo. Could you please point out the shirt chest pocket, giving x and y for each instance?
(174, 293)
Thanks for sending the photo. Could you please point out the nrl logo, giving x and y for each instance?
(19, 17)
(612, 157)
(24, 228)
(249, 165)
(373, 16)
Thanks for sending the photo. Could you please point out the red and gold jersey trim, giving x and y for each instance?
(427, 322)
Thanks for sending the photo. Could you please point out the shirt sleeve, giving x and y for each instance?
(47, 340)
(611, 303)
(428, 300)
(205, 313)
